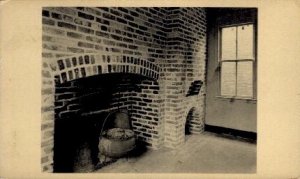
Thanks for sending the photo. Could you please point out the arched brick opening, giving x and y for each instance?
(193, 124)
(73, 85)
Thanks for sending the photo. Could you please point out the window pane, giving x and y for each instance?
(228, 78)
(245, 79)
(245, 42)
(228, 43)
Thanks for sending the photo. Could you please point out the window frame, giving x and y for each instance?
(253, 60)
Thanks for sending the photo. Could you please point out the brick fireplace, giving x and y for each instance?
(150, 61)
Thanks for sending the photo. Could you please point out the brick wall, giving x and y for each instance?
(146, 114)
(47, 122)
(185, 63)
(128, 31)
(174, 39)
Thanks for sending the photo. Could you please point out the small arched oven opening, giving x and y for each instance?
(188, 123)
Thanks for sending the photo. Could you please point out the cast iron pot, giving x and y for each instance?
(116, 148)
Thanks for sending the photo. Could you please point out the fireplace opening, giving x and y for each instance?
(80, 109)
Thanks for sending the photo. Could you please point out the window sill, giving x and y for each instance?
(237, 98)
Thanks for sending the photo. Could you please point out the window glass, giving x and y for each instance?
(245, 78)
(228, 79)
(228, 43)
(245, 42)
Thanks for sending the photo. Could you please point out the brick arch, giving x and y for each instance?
(81, 66)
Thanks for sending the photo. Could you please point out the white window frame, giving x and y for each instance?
(253, 60)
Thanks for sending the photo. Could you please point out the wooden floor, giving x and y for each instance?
(205, 153)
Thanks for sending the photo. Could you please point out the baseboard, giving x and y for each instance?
(232, 133)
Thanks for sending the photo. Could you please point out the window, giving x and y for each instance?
(237, 58)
